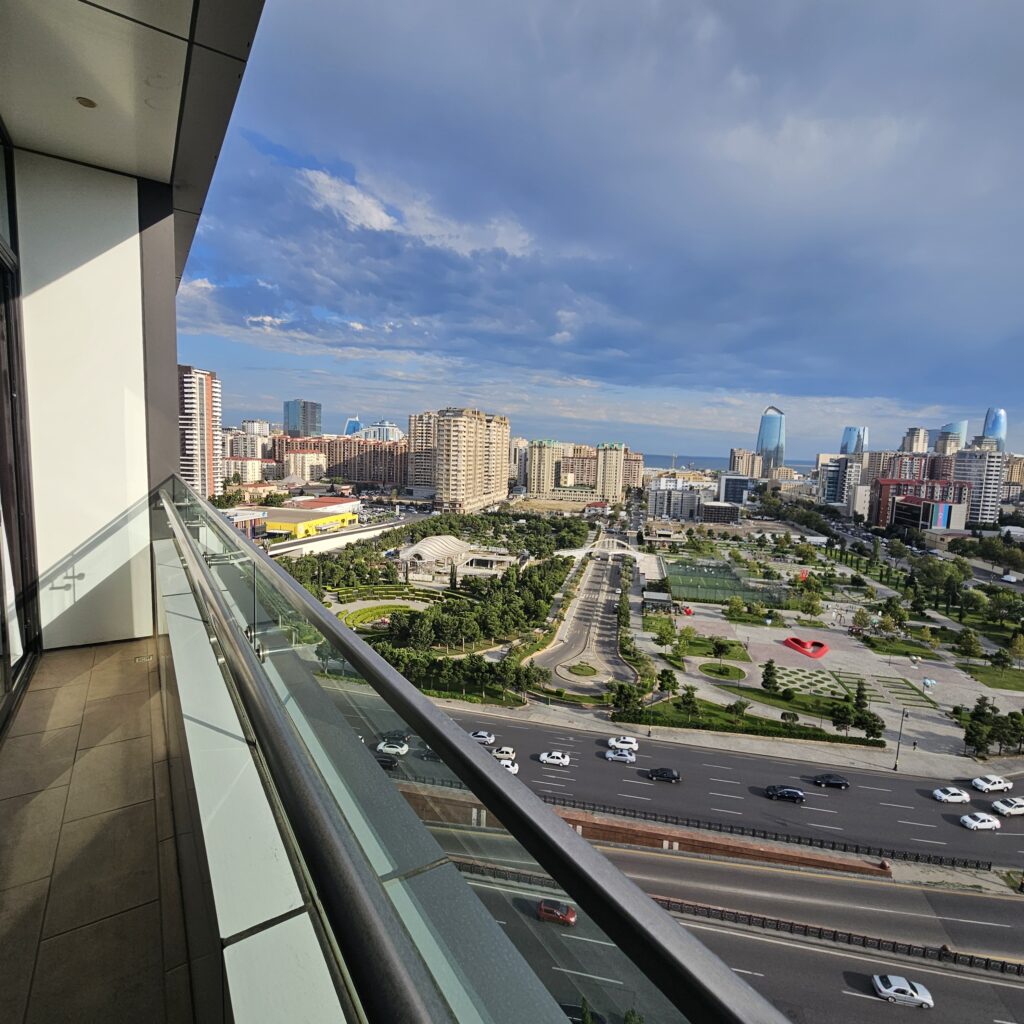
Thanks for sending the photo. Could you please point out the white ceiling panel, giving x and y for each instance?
(170, 15)
(54, 51)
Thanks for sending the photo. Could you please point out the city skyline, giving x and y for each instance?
(658, 237)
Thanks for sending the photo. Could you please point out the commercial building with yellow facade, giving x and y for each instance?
(296, 523)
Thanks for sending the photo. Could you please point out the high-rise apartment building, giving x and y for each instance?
(837, 477)
(1015, 469)
(995, 427)
(611, 458)
(422, 438)
(632, 470)
(576, 471)
(201, 458)
(744, 462)
(471, 460)
(876, 464)
(854, 441)
(518, 458)
(306, 464)
(382, 430)
(246, 446)
(365, 461)
(771, 439)
(952, 437)
(542, 467)
(302, 418)
(985, 471)
(915, 440)
(884, 491)
(261, 428)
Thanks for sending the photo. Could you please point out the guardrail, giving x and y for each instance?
(837, 845)
(941, 954)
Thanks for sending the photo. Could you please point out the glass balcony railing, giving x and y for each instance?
(428, 867)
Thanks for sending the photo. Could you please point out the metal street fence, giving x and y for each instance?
(837, 845)
(940, 954)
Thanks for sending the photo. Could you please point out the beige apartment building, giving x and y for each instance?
(470, 460)
(422, 439)
(745, 462)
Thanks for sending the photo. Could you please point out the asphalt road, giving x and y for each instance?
(808, 984)
(968, 922)
(590, 631)
(879, 809)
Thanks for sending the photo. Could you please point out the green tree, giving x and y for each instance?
(811, 606)
(770, 676)
(738, 708)
(719, 648)
(860, 698)
(842, 715)
(735, 607)
(627, 698)
(976, 738)
(1000, 659)
(871, 723)
(861, 618)
(688, 704)
(586, 1014)
(968, 645)
(632, 1016)
(929, 639)
(667, 682)
(1017, 648)
(453, 578)
(790, 717)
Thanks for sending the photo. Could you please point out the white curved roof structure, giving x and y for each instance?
(435, 549)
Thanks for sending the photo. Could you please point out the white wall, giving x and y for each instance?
(82, 324)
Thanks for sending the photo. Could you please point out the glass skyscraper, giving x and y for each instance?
(302, 418)
(771, 439)
(957, 427)
(854, 442)
(995, 427)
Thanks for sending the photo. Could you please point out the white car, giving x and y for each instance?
(979, 820)
(951, 795)
(555, 757)
(483, 736)
(509, 766)
(899, 990)
(623, 743)
(992, 784)
(621, 755)
(505, 753)
(393, 747)
(1009, 805)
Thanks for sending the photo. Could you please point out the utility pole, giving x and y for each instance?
(903, 718)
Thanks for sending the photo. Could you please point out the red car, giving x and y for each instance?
(687, 610)
(560, 913)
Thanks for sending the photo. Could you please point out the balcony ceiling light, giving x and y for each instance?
(84, 101)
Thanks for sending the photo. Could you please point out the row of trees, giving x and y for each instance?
(985, 727)
(997, 550)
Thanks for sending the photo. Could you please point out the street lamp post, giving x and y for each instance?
(899, 740)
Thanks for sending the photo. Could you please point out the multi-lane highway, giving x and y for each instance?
(884, 810)
(807, 983)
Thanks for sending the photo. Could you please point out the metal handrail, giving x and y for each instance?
(392, 981)
(685, 971)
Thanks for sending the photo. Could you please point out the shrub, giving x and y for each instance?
(788, 693)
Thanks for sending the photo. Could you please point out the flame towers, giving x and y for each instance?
(854, 442)
(995, 427)
(771, 439)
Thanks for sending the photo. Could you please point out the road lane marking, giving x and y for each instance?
(595, 977)
(879, 789)
(727, 796)
(583, 938)
(553, 792)
(820, 810)
(724, 767)
(728, 782)
(722, 810)
(859, 995)
(831, 828)
(905, 807)
(739, 970)
(930, 842)
(630, 796)
(551, 782)
(638, 782)
(920, 824)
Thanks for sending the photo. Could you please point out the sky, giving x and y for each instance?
(638, 221)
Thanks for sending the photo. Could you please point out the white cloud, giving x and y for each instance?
(265, 322)
(358, 208)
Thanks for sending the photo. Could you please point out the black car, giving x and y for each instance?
(785, 793)
(663, 774)
(395, 736)
(833, 780)
(575, 1014)
(387, 762)
(426, 754)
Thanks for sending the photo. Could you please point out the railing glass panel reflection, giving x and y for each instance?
(430, 870)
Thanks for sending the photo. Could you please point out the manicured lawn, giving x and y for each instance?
(362, 618)
(998, 679)
(904, 648)
(544, 692)
(712, 668)
(807, 704)
(714, 716)
(745, 618)
(581, 668)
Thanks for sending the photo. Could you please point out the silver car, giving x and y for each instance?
(900, 990)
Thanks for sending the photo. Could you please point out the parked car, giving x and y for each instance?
(483, 736)
(791, 793)
(621, 755)
(900, 990)
(979, 821)
(1009, 805)
(951, 795)
(555, 910)
(387, 762)
(623, 743)
(396, 735)
(426, 754)
(510, 766)
(505, 753)
(556, 757)
(393, 747)
(663, 774)
(992, 784)
(831, 780)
